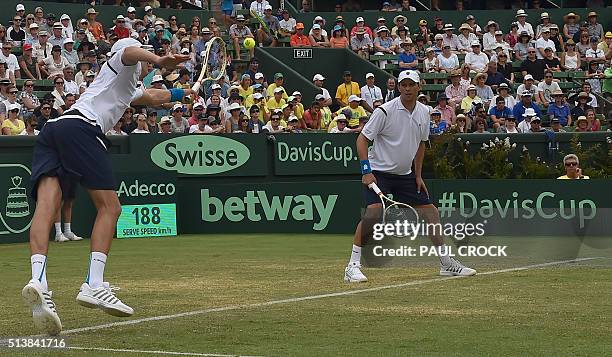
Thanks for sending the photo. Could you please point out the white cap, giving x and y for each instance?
(316, 27)
(498, 32)
(34, 25)
(198, 104)
(290, 99)
(475, 43)
(157, 78)
(124, 43)
(177, 106)
(318, 77)
(369, 75)
(259, 75)
(354, 98)
(412, 75)
(529, 112)
(528, 77)
(184, 51)
(131, 9)
(68, 40)
(233, 106)
(147, 8)
(64, 17)
(257, 95)
(13, 106)
(19, 7)
(215, 86)
(359, 19)
(268, 7)
(319, 96)
(292, 118)
(296, 93)
(438, 37)
(279, 90)
(318, 18)
(120, 17)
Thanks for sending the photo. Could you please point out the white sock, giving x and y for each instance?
(58, 228)
(444, 258)
(39, 269)
(97, 262)
(67, 228)
(355, 254)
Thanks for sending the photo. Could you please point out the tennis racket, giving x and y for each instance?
(214, 62)
(394, 211)
(263, 24)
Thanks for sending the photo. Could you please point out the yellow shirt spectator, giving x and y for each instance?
(278, 83)
(14, 129)
(245, 92)
(298, 110)
(326, 117)
(276, 101)
(467, 101)
(357, 112)
(346, 89)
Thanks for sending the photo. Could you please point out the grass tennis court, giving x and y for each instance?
(562, 309)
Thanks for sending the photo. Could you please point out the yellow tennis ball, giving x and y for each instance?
(249, 43)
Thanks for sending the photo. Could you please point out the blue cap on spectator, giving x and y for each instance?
(257, 86)
(337, 28)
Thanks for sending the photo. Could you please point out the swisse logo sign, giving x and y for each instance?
(256, 206)
(200, 154)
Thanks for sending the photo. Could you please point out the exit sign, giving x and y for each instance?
(302, 53)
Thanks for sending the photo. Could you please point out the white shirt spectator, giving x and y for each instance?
(519, 91)
(335, 130)
(25, 132)
(527, 27)
(140, 131)
(548, 89)
(41, 52)
(114, 132)
(288, 25)
(259, 7)
(591, 53)
(478, 62)
(370, 94)
(487, 41)
(11, 61)
(71, 87)
(541, 43)
(195, 129)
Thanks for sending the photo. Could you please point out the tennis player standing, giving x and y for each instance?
(73, 149)
(398, 130)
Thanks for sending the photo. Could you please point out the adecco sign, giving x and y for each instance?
(200, 154)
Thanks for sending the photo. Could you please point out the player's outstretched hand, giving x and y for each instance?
(420, 185)
(172, 61)
(368, 179)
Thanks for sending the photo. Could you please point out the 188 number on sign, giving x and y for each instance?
(148, 220)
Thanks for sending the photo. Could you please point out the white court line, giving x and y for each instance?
(152, 352)
(312, 297)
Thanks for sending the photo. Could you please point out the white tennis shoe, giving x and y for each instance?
(43, 308)
(455, 268)
(61, 238)
(104, 299)
(72, 236)
(353, 274)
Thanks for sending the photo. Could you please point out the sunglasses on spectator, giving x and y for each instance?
(13, 92)
(255, 111)
(571, 164)
(198, 109)
(548, 76)
(45, 108)
(14, 110)
(29, 85)
(173, 19)
(56, 83)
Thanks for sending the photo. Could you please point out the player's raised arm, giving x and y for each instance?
(133, 55)
(155, 97)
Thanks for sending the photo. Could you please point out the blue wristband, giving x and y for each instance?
(365, 167)
(176, 94)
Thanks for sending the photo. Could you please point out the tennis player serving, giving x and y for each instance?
(398, 130)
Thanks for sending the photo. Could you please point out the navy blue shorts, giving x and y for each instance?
(402, 187)
(74, 151)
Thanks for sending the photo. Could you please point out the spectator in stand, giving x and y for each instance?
(53, 65)
(544, 23)
(503, 91)
(279, 80)
(523, 107)
(438, 44)
(480, 125)
(299, 39)
(12, 125)
(556, 37)
(607, 83)
(570, 26)
(341, 125)
(346, 89)
(287, 24)
(536, 126)
(383, 45)
(392, 92)
(546, 88)
(437, 125)
(555, 126)
(419, 48)
(28, 100)
(582, 124)
(498, 113)
(149, 18)
(527, 86)
(362, 44)
(606, 45)
(447, 60)
(120, 28)
(456, 91)
(179, 124)
(274, 126)
(494, 77)
(583, 45)
(258, 7)
(595, 28)
(70, 86)
(559, 109)
(505, 68)
(318, 82)
(321, 21)
(423, 31)
(450, 39)
(96, 28)
(593, 123)
(448, 113)
(521, 48)
(263, 37)
(338, 39)
(340, 22)
(533, 66)
(477, 60)
(152, 125)
(202, 126)
(544, 43)
(10, 62)
(488, 38)
(15, 33)
(400, 23)
(402, 36)
(461, 125)
(276, 101)
(483, 91)
(30, 127)
(586, 87)
(430, 63)
(582, 106)
(238, 33)
(466, 38)
(594, 53)
(509, 126)
(31, 34)
(408, 59)
(69, 53)
(570, 59)
(27, 63)
(572, 169)
(523, 25)
(370, 92)
(360, 25)
(326, 114)
(470, 99)
(141, 125)
(313, 116)
(499, 45)
(513, 36)
(438, 27)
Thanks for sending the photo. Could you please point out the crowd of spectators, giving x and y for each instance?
(477, 63)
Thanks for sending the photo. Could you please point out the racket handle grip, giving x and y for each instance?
(374, 187)
(196, 87)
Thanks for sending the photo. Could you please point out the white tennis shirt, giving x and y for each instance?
(396, 136)
(111, 93)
